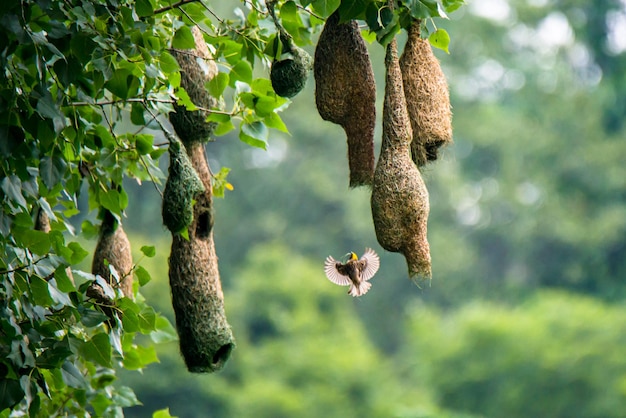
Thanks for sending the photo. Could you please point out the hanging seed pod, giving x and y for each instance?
(181, 187)
(206, 339)
(345, 92)
(113, 250)
(399, 196)
(196, 68)
(288, 75)
(427, 97)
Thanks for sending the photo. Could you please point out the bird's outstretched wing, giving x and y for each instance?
(333, 274)
(368, 264)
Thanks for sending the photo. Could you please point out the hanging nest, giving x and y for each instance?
(345, 92)
(399, 196)
(288, 75)
(427, 97)
(181, 188)
(196, 68)
(206, 339)
(112, 252)
(42, 223)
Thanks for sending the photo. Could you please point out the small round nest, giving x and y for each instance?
(288, 76)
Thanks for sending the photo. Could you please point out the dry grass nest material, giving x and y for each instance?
(206, 338)
(192, 126)
(399, 199)
(427, 97)
(345, 92)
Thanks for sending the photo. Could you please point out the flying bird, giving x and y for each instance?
(354, 272)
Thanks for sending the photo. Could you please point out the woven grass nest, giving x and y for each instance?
(289, 75)
(345, 92)
(192, 126)
(399, 198)
(427, 97)
(113, 250)
(206, 339)
(183, 185)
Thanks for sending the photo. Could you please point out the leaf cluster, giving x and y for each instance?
(59, 348)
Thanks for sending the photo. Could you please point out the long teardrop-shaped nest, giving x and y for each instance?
(427, 97)
(206, 338)
(191, 125)
(345, 92)
(399, 199)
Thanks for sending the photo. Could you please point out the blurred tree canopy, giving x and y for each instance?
(524, 316)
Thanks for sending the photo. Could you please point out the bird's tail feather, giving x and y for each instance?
(359, 290)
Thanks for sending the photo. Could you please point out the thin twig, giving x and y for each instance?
(174, 6)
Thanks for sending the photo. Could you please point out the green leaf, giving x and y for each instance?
(98, 350)
(148, 250)
(137, 114)
(147, 319)
(78, 252)
(452, 5)
(142, 275)
(123, 84)
(111, 200)
(144, 8)
(185, 100)
(36, 241)
(39, 290)
(89, 230)
(64, 284)
(254, 134)
(168, 62)
(354, 9)
(11, 393)
(100, 403)
(92, 318)
(139, 357)
(220, 183)
(54, 356)
(223, 128)
(130, 318)
(125, 397)
(440, 39)
(289, 12)
(59, 297)
(325, 7)
(241, 71)
(183, 39)
(164, 332)
(274, 121)
(72, 376)
(143, 142)
(52, 170)
(12, 188)
(218, 84)
(162, 413)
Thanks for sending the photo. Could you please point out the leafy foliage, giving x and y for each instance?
(84, 86)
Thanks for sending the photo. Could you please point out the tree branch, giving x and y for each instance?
(174, 6)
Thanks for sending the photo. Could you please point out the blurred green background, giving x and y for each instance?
(525, 315)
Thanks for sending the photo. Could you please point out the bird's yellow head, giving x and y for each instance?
(349, 257)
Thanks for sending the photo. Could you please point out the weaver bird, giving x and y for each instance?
(354, 272)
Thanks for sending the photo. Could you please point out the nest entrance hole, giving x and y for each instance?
(203, 226)
(222, 354)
